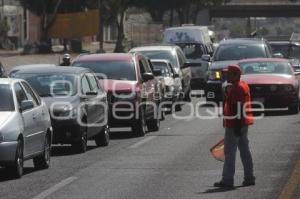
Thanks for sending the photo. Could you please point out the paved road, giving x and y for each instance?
(172, 163)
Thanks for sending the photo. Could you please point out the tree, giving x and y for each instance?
(4, 28)
(156, 8)
(116, 10)
(46, 9)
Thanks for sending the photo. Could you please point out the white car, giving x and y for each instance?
(171, 80)
(178, 60)
(25, 127)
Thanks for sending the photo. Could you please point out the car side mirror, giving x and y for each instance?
(26, 104)
(206, 57)
(157, 72)
(147, 76)
(176, 75)
(91, 93)
(278, 55)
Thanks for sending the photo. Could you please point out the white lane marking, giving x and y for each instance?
(140, 143)
(55, 188)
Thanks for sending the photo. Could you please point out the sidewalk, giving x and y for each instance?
(15, 58)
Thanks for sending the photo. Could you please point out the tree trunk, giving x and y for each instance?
(171, 23)
(157, 16)
(194, 13)
(120, 38)
(187, 15)
(47, 21)
(180, 14)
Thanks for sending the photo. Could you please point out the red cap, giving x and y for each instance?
(234, 69)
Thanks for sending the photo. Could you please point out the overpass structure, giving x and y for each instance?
(256, 8)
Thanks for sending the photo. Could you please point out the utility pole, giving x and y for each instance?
(100, 7)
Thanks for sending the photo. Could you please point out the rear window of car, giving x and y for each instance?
(192, 51)
(163, 67)
(7, 102)
(162, 54)
(266, 68)
(239, 51)
(117, 70)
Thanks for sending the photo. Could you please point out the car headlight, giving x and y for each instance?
(288, 88)
(214, 75)
(67, 112)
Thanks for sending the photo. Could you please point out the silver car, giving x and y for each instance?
(25, 127)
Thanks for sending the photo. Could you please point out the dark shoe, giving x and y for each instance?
(221, 184)
(248, 183)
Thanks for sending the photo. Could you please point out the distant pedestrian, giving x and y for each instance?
(237, 117)
(66, 60)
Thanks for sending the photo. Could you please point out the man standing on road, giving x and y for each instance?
(237, 117)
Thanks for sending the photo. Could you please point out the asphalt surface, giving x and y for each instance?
(172, 163)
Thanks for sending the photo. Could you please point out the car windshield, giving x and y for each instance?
(192, 51)
(162, 54)
(239, 51)
(266, 68)
(280, 48)
(51, 84)
(7, 102)
(118, 70)
(163, 67)
(288, 51)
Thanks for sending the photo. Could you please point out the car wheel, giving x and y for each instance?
(139, 128)
(17, 168)
(154, 123)
(81, 145)
(102, 139)
(294, 109)
(43, 161)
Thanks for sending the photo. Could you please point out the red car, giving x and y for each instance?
(131, 89)
(272, 82)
